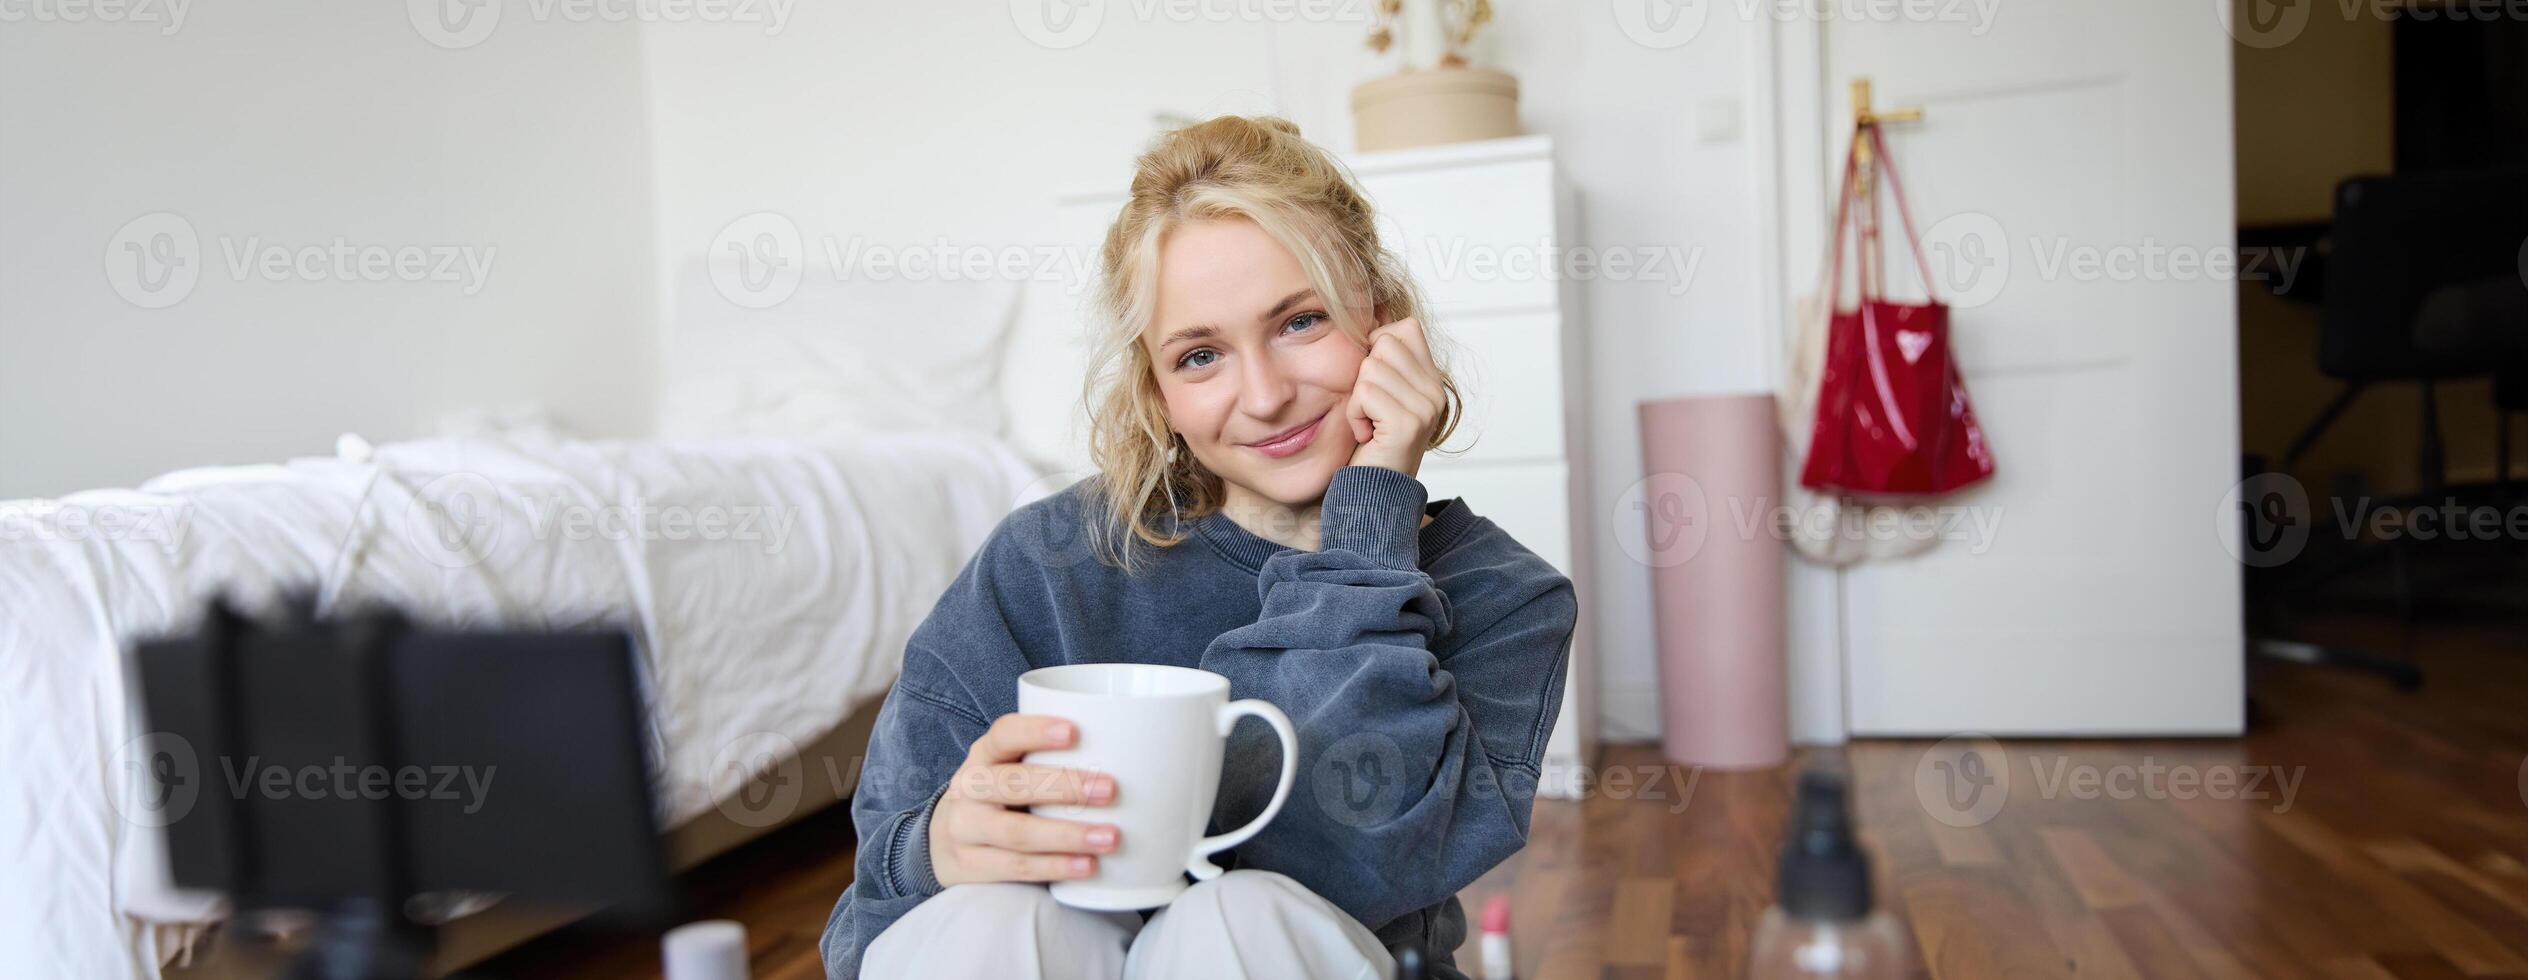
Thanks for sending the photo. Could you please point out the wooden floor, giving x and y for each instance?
(2357, 833)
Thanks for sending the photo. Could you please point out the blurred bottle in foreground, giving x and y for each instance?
(1822, 923)
(713, 950)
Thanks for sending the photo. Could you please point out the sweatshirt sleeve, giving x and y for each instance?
(1416, 775)
(919, 739)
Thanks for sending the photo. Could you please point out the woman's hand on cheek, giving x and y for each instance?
(1397, 400)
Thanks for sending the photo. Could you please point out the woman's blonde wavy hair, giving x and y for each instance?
(1260, 169)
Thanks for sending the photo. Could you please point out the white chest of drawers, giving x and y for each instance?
(1484, 227)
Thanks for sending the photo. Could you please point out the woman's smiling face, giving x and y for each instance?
(1249, 361)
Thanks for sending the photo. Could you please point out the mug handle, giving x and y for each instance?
(1200, 865)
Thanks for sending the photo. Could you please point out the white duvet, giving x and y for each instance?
(773, 583)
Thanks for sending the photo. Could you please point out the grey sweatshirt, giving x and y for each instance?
(1421, 666)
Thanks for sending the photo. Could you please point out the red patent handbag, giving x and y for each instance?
(1892, 414)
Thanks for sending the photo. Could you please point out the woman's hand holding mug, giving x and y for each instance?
(1397, 400)
(976, 835)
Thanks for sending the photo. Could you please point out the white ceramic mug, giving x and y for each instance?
(1159, 731)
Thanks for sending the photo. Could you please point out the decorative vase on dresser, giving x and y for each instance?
(1483, 226)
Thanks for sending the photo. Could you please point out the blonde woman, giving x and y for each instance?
(1261, 413)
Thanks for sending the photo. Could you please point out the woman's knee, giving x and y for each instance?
(1245, 891)
(989, 899)
(997, 929)
(1250, 923)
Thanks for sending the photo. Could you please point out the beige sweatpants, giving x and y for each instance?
(1243, 924)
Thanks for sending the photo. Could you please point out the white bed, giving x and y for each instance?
(773, 577)
(785, 598)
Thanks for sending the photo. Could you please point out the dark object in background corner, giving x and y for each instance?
(2422, 284)
(408, 760)
(2461, 90)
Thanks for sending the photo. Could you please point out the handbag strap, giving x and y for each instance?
(1864, 226)
(1896, 189)
(1830, 288)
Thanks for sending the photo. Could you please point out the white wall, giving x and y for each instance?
(294, 125)
(906, 123)
(899, 125)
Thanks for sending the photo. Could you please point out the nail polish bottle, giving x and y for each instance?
(1496, 939)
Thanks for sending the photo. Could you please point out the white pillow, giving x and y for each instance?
(836, 357)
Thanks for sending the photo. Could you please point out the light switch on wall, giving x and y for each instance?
(1716, 121)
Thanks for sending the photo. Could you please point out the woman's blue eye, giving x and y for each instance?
(1204, 356)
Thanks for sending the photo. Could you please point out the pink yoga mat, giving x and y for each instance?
(1712, 481)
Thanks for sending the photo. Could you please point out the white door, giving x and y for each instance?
(2073, 176)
